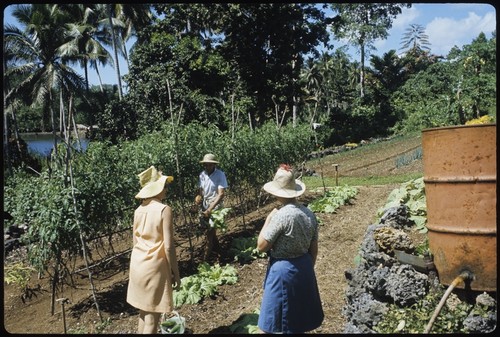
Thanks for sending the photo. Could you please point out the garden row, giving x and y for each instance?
(87, 195)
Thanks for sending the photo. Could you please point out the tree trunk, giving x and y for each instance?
(53, 121)
(362, 72)
(86, 69)
(99, 77)
(250, 121)
(115, 50)
(295, 108)
(6, 149)
(62, 117)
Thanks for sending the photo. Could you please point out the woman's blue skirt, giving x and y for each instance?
(291, 301)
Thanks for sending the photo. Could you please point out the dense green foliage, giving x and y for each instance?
(452, 92)
(105, 180)
(230, 65)
(46, 205)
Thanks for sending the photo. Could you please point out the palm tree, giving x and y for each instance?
(135, 17)
(86, 39)
(40, 66)
(312, 79)
(389, 71)
(101, 25)
(112, 11)
(43, 71)
(7, 55)
(415, 39)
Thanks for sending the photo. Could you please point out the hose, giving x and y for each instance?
(465, 275)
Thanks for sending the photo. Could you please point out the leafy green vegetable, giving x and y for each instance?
(217, 218)
(168, 323)
(246, 323)
(245, 249)
(333, 199)
(204, 284)
(411, 194)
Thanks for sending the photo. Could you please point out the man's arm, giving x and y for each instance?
(215, 202)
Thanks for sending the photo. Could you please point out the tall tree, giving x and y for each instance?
(476, 77)
(388, 70)
(265, 42)
(387, 74)
(363, 23)
(123, 21)
(40, 66)
(268, 42)
(112, 11)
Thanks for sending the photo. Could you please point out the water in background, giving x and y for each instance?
(42, 144)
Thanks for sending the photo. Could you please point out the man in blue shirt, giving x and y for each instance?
(212, 184)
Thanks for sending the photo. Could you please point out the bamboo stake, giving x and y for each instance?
(177, 166)
(82, 239)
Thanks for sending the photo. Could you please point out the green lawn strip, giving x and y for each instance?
(317, 182)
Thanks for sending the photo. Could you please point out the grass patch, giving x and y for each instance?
(316, 182)
(367, 149)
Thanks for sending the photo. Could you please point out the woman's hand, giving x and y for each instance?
(176, 282)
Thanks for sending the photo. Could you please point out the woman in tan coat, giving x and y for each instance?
(153, 262)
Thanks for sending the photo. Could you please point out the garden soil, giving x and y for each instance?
(341, 234)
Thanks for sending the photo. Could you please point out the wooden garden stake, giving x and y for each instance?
(63, 301)
(336, 174)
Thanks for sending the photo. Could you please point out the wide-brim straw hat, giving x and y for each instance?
(152, 183)
(285, 185)
(209, 158)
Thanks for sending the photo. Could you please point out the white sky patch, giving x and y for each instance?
(407, 17)
(488, 24)
(445, 33)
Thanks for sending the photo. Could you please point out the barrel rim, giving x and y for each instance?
(458, 127)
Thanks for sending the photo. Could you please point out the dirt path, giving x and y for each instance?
(340, 237)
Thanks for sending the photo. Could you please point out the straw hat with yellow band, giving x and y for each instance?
(152, 183)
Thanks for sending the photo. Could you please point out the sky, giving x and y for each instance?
(446, 24)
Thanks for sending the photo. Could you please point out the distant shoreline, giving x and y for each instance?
(32, 135)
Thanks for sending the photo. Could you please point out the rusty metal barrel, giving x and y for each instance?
(460, 189)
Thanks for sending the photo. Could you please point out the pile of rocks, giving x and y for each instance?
(381, 279)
